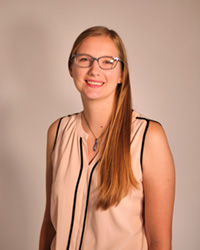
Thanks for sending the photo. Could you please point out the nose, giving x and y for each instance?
(94, 68)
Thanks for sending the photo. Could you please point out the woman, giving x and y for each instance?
(110, 173)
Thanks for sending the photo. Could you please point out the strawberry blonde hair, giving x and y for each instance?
(116, 176)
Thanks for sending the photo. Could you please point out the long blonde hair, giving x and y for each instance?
(116, 176)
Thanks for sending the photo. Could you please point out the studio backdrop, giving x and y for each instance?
(162, 39)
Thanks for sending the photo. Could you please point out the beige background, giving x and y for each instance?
(163, 44)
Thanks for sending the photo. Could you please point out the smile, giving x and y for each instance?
(95, 83)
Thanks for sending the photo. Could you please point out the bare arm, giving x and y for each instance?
(47, 230)
(159, 188)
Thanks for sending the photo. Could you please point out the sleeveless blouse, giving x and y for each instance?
(74, 192)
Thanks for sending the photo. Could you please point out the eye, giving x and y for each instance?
(83, 59)
(108, 61)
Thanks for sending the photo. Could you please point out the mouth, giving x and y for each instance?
(94, 83)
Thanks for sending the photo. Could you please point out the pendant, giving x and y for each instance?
(95, 144)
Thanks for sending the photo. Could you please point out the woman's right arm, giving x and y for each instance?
(47, 230)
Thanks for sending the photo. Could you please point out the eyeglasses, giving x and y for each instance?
(104, 62)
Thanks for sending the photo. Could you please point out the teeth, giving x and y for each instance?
(95, 83)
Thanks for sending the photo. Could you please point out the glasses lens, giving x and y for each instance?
(83, 60)
(107, 62)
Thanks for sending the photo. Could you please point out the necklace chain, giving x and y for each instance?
(96, 139)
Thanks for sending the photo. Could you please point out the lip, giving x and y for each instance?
(94, 83)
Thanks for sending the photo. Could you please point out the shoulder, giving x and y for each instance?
(155, 143)
(140, 117)
(52, 132)
(157, 156)
(155, 133)
(136, 116)
(53, 128)
(141, 122)
(58, 125)
(156, 140)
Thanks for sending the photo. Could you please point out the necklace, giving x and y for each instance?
(96, 139)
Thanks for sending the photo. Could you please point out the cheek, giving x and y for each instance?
(75, 73)
(114, 76)
(111, 74)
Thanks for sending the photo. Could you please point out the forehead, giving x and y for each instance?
(98, 46)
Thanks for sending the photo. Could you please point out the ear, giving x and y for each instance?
(70, 72)
(120, 78)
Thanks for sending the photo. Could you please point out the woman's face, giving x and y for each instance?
(95, 83)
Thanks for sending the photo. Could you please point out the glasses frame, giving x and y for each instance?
(97, 59)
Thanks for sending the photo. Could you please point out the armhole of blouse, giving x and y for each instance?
(57, 133)
(143, 139)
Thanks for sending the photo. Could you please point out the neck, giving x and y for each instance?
(97, 115)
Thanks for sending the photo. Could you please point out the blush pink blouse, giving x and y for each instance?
(78, 225)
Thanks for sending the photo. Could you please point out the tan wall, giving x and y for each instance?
(163, 44)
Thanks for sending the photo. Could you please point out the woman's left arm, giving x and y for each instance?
(159, 188)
